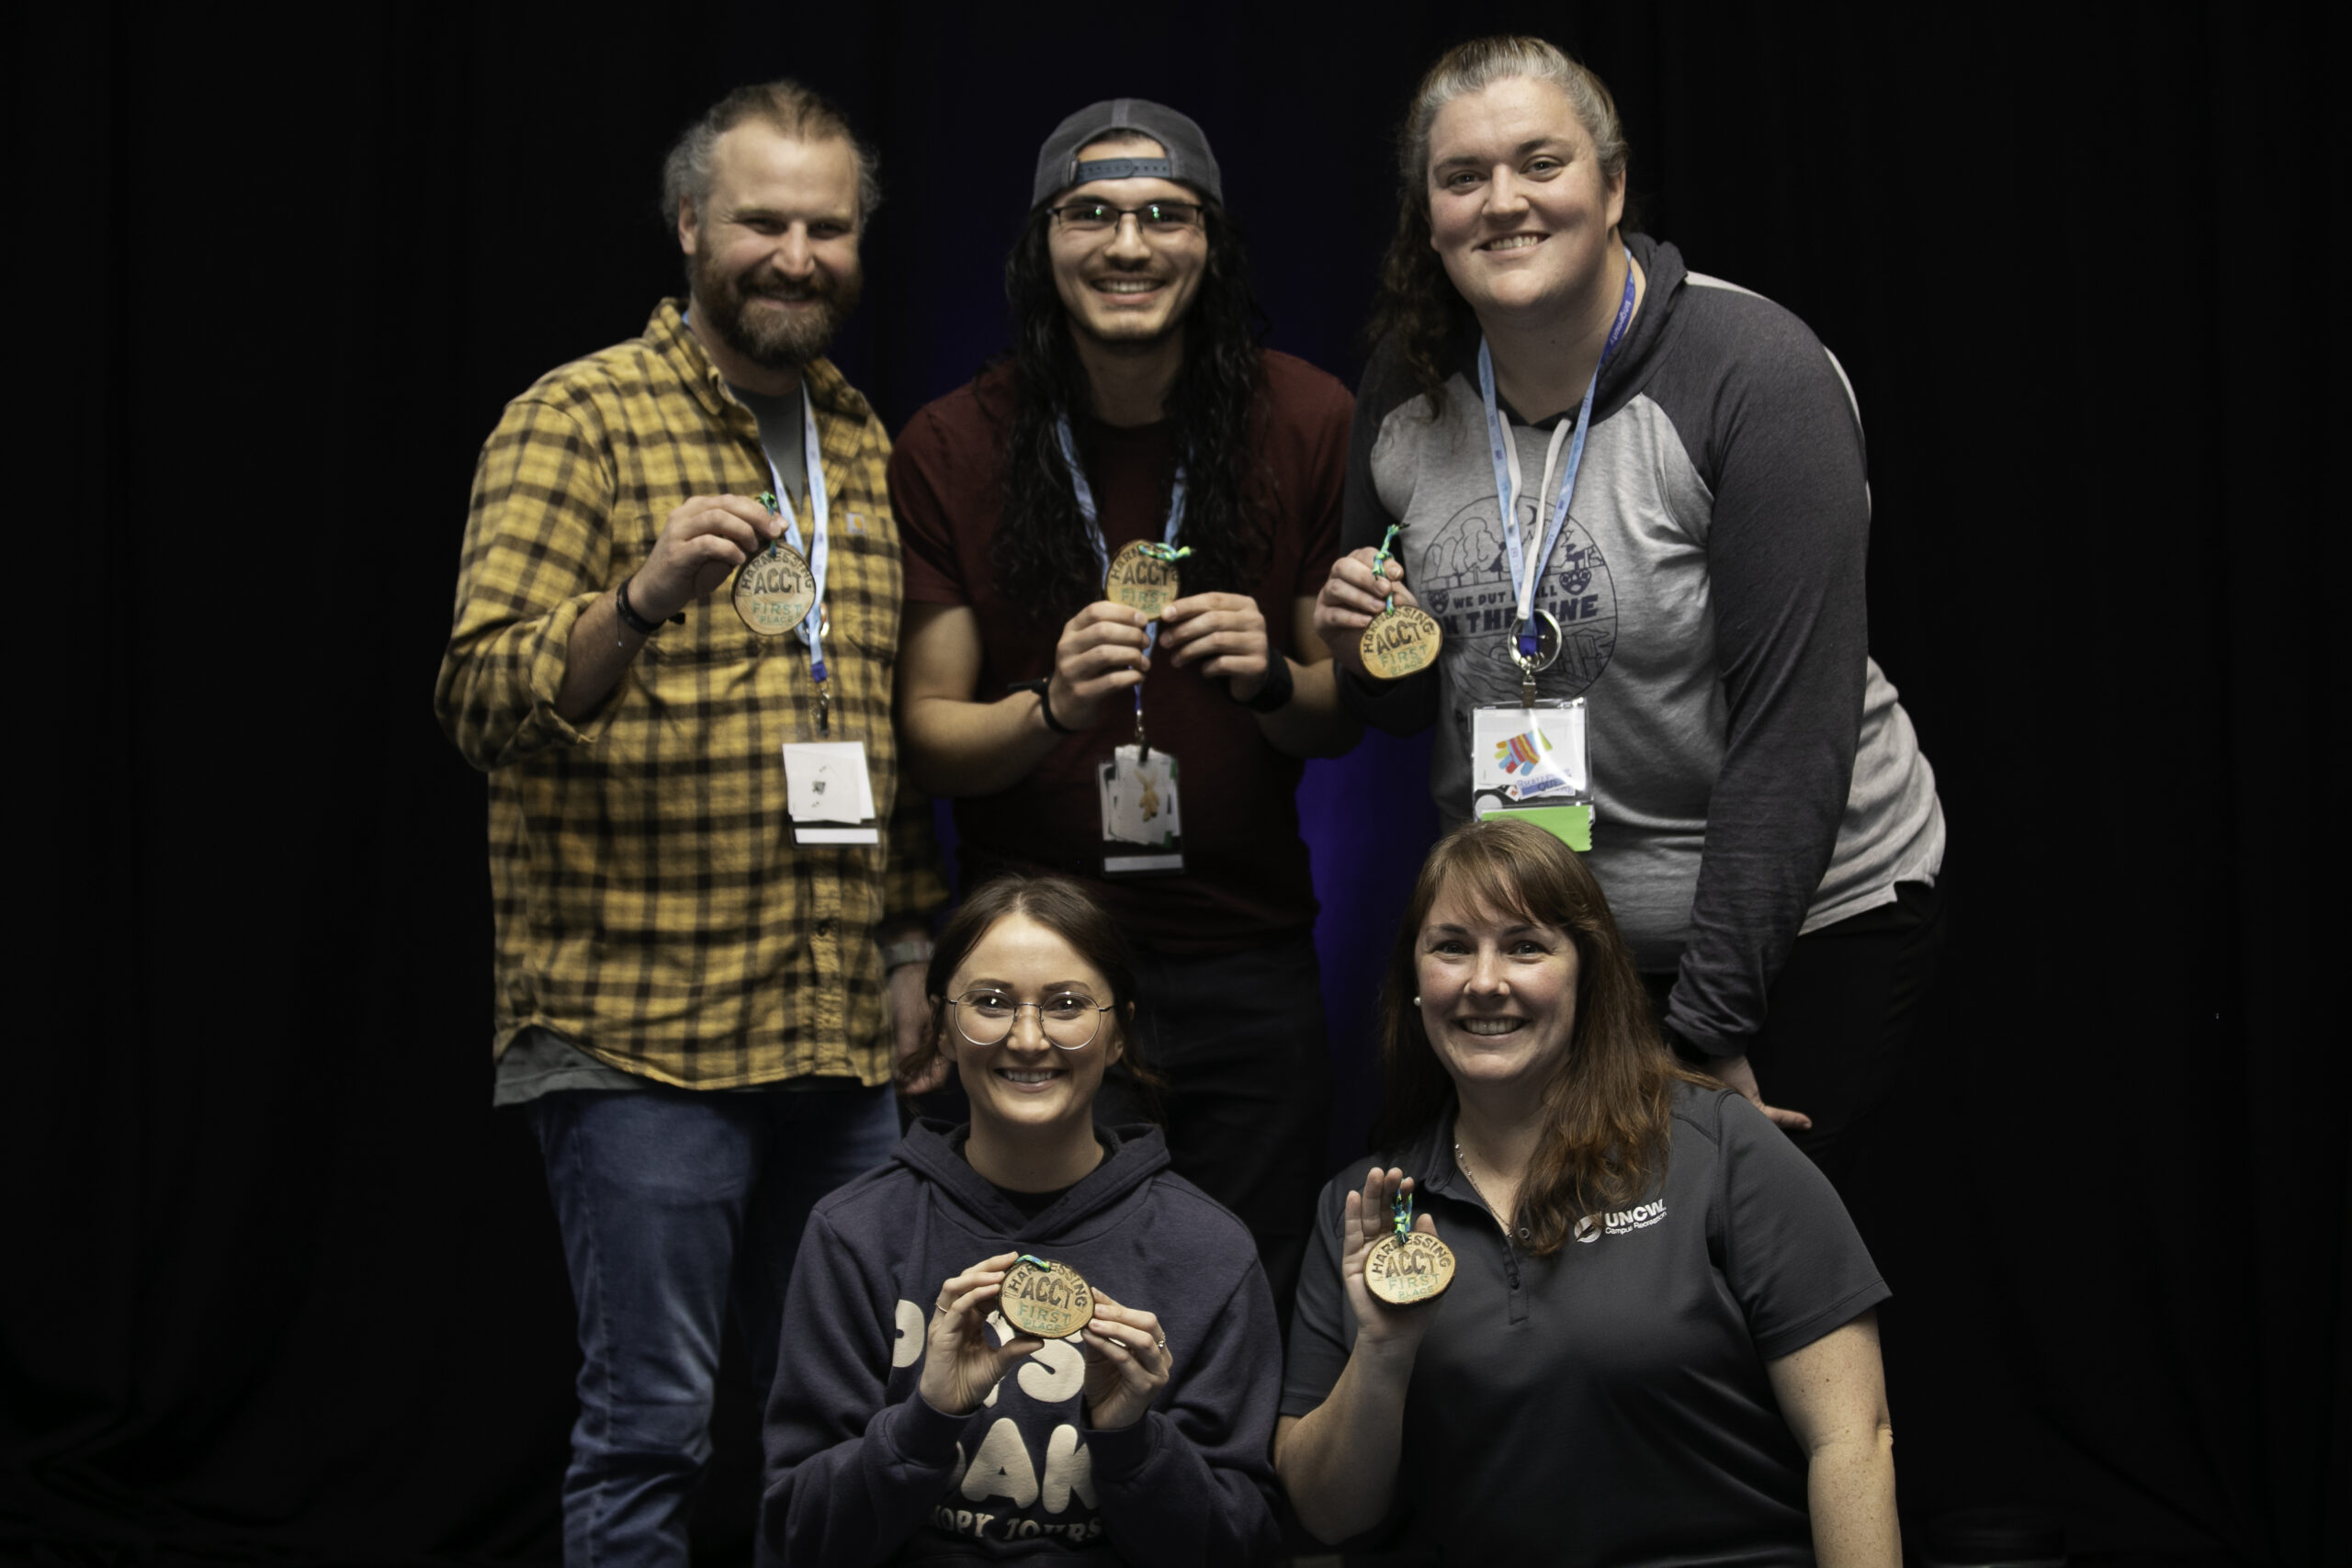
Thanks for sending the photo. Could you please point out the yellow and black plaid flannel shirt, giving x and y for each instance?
(651, 907)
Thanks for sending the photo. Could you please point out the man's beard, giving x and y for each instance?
(775, 340)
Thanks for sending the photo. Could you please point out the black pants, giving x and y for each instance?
(1239, 1040)
(1839, 1020)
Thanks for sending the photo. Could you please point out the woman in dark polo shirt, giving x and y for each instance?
(1659, 1345)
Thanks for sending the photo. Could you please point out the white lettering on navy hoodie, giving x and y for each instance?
(861, 1470)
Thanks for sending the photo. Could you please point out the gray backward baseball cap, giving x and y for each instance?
(1189, 159)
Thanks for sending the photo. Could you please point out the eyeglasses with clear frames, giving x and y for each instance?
(1069, 1020)
(1163, 218)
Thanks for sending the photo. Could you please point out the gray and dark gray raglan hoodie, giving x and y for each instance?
(1754, 776)
(861, 1470)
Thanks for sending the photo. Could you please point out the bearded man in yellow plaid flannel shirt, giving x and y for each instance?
(691, 998)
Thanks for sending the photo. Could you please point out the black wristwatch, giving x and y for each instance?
(1276, 692)
(1045, 703)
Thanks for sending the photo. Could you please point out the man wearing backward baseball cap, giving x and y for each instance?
(1113, 540)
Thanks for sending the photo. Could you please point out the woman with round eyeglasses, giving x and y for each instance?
(1657, 1346)
(912, 1419)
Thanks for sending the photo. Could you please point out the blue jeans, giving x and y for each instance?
(654, 1189)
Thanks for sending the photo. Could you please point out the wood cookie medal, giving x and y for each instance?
(1049, 1300)
(1143, 577)
(775, 589)
(1400, 641)
(1406, 1265)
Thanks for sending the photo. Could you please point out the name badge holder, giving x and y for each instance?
(1532, 760)
(1143, 823)
(829, 792)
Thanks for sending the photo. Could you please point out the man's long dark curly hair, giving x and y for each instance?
(1043, 555)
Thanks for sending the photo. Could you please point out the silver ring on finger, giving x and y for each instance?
(1162, 1343)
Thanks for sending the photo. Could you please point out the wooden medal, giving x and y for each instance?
(1142, 577)
(1400, 640)
(774, 590)
(1407, 1268)
(1051, 1301)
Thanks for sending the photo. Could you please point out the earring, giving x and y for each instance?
(1416, 1002)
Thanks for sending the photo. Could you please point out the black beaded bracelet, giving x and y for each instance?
(1045, 703)
(635, 622)
(1276, 692)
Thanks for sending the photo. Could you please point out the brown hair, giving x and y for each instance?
(798, 113)
(1610, 1102)
(1063, 908)
(1417, 305)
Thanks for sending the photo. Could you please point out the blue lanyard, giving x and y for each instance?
(1085, 493)
(1506, 484)
(812, 628)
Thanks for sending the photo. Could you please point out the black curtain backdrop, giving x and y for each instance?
(281, 1288)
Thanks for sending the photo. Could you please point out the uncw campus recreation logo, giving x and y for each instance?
(1619, 1222)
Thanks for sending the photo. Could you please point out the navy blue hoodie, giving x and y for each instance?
(860, 1470)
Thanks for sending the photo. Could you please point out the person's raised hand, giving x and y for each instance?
(1225, 634)
(706, 538)
(1127, 1363)
(910, 1027)
(960, 1363)
(1101, 651)
(1735, 1073)
(1352, 595)
(1380, 1328)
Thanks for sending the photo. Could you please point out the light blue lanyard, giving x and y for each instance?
(1085, 493)
(1507, 489)
(812, 626)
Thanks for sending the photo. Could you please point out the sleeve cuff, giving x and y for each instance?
(1118, 1454)
(923, 1435)
(548, 661)
(1398, 708)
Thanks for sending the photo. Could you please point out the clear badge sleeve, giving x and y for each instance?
(1532, 762)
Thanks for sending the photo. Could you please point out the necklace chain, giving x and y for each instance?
(1462, 1161)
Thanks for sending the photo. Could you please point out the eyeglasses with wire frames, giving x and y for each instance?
(1069, 1020)
(1166, 218)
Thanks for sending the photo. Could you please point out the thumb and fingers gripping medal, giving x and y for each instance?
(1408, 1265)
(1400, 641)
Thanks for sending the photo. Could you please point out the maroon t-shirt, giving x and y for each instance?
(1245, 869)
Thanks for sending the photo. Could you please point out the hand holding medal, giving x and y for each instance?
(1127, 1363)
(1366, 585)
(961, 1360)
(1400, 641)
(1392, 1260)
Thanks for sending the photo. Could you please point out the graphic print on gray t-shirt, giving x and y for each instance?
(1463, 578)
(1719, 528)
